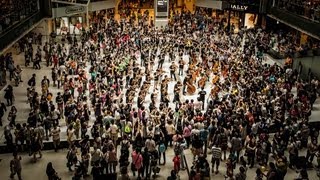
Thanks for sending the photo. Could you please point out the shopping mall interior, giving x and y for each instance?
(159, 89)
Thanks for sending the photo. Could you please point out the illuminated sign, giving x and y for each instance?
(239, 7)
(162, 5)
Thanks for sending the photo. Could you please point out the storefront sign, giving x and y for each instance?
(68, 11)
(74, 10)
(239, 7)
(162, 8)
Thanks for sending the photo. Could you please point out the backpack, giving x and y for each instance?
(125, 149)
(223, 139)
(162, 148)
(204, 134)
(127, 129)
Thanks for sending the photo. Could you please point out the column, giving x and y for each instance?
(116, 10)
(189, 4)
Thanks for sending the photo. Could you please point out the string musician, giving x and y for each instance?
(185, 82)
(173, 68)
(130, 93)
(181, 67)
(141, 97)
(191, 89)
(176, 92)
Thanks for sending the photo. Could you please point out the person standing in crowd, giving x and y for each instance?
(204, 138)
(3, 109)
(162, 149)
(137, 161)
(202, 97)
(216, 157)
(9, 96)
(236, 145)
(32, 81)
(70, 135)
(251, 151)
(71, 157)
(242, 174)
(51, 172)
(15, 166)
(55, 133)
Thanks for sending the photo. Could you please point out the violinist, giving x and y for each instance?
(173, 68)
(181, 67)
(176, 92)
(185, 82)
(156, 79)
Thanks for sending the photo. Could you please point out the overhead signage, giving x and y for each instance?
(162, 5)
(74, 9)
(239, 7)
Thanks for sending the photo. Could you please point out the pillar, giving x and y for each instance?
(116, 10)
(189, 4)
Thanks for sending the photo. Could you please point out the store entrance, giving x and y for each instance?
(72, 25)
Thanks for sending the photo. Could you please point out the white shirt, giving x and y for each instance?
(55, 133)
(114, 129)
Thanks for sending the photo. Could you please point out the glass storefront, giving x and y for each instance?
(238, 19)
(73, 25)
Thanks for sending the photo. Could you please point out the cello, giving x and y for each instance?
(215, 67)
(191, 89)
(215, 79)
(202, 82)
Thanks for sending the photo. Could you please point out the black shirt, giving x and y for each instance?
(202, 94)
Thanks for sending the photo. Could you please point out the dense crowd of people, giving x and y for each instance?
(130, 91)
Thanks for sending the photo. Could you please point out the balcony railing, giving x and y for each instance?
(310, 27)
(13, 12)
(305, 8)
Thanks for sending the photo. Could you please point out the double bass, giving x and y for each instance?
(191, 89)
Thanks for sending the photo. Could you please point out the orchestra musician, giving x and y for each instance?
(181, 67)
(173, 68)
(176, 92)
(185, 82)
